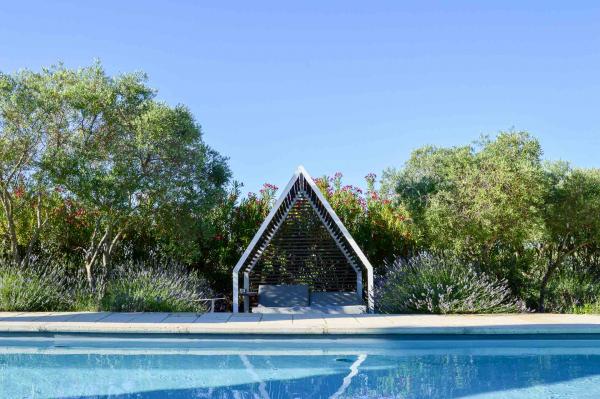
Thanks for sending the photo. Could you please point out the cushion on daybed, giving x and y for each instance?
(316, 309)
(283, 295)
(334, 299)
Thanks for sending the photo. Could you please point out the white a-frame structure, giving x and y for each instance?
(303, 241)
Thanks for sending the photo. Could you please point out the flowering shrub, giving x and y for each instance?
(37, 287)
(432, 284)
(155, 286)
(383, 230)
(233, 224)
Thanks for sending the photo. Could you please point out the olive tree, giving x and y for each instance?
(24, 133)
(479, 202)
(470, 198)
(571, 216)
(128, 160)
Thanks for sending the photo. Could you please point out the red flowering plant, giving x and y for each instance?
(233, 225)
(382, 229)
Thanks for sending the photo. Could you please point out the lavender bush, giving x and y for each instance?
(432, 284)
(35, 287)
(154, 286)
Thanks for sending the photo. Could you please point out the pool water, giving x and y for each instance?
(237, 367)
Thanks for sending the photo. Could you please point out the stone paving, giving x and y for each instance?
(249, 323)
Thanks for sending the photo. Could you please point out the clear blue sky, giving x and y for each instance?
(338, 85)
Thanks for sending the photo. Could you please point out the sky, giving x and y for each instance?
(348, 86)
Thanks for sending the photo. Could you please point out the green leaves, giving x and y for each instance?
(496, 204)
(466, 196)
(106, 144)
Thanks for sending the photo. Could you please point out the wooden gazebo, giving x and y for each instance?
(303, 241)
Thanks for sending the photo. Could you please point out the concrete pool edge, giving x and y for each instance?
(250, 324)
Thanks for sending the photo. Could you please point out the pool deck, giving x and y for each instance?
(247, 323)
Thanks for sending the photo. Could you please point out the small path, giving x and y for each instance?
(244, 323)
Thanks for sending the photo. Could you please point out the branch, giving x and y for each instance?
(97, 247)
(17, 166)
(114, 241)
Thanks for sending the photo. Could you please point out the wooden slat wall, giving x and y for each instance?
(303, 252)
(297, 248)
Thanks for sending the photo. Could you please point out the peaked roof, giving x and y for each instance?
(302, 185)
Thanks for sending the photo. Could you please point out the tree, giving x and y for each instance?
(126, 160)
(23, 189)
(571, 219)
(480, 202)
(233, 225)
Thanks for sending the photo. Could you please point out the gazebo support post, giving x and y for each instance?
(236, 293)
(370, 299)
(359, 284)
(246, 289)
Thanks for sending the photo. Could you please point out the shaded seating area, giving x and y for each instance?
(302, 259)
(292, 299)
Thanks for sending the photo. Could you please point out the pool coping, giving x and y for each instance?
(278, 324)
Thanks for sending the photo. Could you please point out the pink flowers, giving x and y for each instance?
(268, 189)
(19, 192)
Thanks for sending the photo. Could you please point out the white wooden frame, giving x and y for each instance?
(364, 262)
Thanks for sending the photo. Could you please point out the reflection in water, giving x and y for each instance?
(272, 369)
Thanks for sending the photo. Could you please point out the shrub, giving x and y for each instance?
(36, 287)
(432, 284)
(586, 308)
(154, 286)
(573, 291)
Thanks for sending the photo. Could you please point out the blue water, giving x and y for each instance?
(405, 367)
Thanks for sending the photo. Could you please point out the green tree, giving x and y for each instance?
(480, 202)
(127, 161)
(571, 215)
(234, 223)
(23, 189)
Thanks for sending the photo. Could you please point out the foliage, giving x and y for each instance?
(498, 205)
(90, 162)
(23, 189)
(234, 223)
(37, 287)
(96, 171)
(434, 284)
(587, 308)
(480, 202)
(382, 229)
(155, 286)
(572, 289)
(571, 222)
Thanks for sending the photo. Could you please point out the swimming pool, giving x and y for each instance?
(78, 366)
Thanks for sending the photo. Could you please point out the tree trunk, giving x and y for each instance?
(14, 241)
(105, 248)
(544, 284)
(12, 229)
(90, 276)
(552, 266)
(91, 254)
